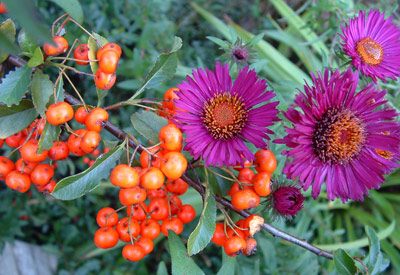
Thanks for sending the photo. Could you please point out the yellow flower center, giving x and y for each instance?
(224, 116)
(370, 51)
(338, 136)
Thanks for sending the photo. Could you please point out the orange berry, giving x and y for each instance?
(6, 166)
(173, 224)
(125, 230)
(133, 252)
(150, 229)
(17, 181)
(82, 53)
(169, 97)
(106, 237)
(42, 174)
(234, 246)
(103, 220)
(74, 142)
(175, 165)
(59, 112)
(265, 161)
(107, 47)
(59, 151)
(262, 184)
(60, 47)
(29, 152)
(245, 199)
(90, 141)
(24, 167)
(171, 138)
(152, 179)
(145, 243)
(187, 213)
(80, 115)
(95, 119)
(109, 61)
(104, 81)
(124, 176)
(133, 195)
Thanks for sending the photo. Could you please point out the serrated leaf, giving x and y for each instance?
(26, 42)
(344, 264)
(16, 118)
(93, 48)
(205, 229)
(25, 13)
(228, 265)
(162, 269)
(164, 68)
(7, 29)
(72, 7)
(148, 124)
(49, 134)
(15, 85)
(42, 89)
(181, 262)
(78, 185)
(36, 59)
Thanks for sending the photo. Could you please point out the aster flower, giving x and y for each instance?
(373, 44)
(218, 116)
(341, 137)
(288, 200)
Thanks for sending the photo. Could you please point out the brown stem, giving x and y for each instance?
(118, 133)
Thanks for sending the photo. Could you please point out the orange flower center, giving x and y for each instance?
(370, 51)
(338, 136)
(224, 116)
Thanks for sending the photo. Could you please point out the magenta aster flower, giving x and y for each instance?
(373, 44)
(341, 137)
(218, 116)
(288, 200)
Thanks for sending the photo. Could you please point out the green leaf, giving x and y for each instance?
(15, 85)
(300, 26)
(78, 185)
(204, 230)
(228, 264)
(26, 42)
(8, 32)
(16, 118)
(93, 48)
(25, 13)
(181, 262)
(72, 7)
(164, 68)
(383, 234)
(101, 94)
(376, 262)
(42, 89)
(223, 44)
(49, 134)
(162, 269)
(148, 124)
(36, 59)
(344, 264)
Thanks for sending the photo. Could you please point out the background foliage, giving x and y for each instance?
(304, 42)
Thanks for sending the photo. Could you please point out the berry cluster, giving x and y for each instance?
(238, 238)
(164, 210)
(246, 192)
(107, 57)
(30, 169)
